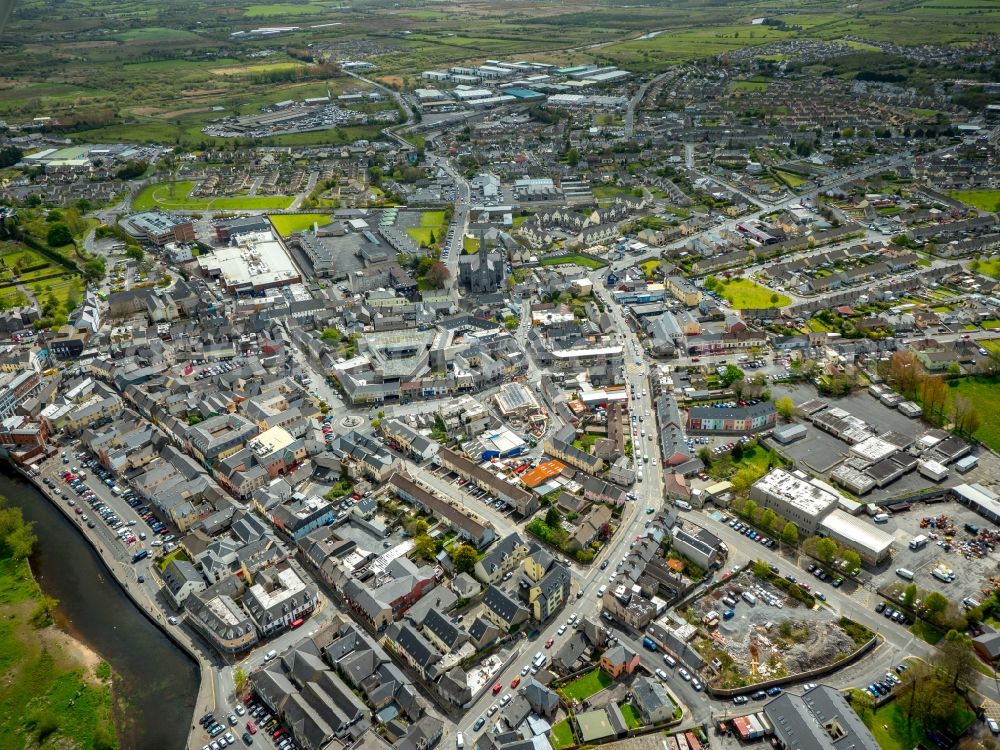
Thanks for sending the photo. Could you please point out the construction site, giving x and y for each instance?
(751, 631)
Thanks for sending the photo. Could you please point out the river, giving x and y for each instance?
(158, 681)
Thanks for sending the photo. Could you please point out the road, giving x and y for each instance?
(637, 100)
(460, 222)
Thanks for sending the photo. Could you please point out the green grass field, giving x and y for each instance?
(586, 686)
(984, 200)
(985, 394)
(174, 196)
(744, 294)
(631, 714)
(562, 735)
(892, 732)
(748, 86)
(432, 219)
(47, 697)
(791, 179)
(285, 224)
(571, 259)
(424, 236)
(470, 245)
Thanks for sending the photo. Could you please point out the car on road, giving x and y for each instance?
(247, 739)
(479, 724)
(562, 629)
(497, 688)
(685, 675)
(661, 674)
(739, 700)
(515, 682)
(549, 642)
(505, 700)
(650, 510)
(525, 669)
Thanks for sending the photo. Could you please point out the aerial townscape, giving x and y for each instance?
(486, 375)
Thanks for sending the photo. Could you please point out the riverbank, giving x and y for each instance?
(159, 664)
(54, 689)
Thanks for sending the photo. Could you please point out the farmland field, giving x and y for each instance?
(175, 196)
(285, 224)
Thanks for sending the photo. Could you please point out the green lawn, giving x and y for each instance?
(984, 200)
(748, 86)
(424, 236)
(586, 686)
(175, 196)
(562, 735)
(889, 726)
(985, 394)
(470, 245)
(650, 268)
(631, 715)
(926, 632)
(745, 294)
(791, 179)
(989, 325)
(572, 259)
(432, 219)
(285, 224)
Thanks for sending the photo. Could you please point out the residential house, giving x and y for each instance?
(619, 660)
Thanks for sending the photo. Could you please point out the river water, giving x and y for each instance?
(155, 680)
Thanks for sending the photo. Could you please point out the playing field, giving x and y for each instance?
(175, 196)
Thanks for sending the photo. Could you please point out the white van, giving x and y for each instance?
(459, 741)
(881, 518)
(905, 573)
(669, 660)
(600, 591)
(270, 655)
(682, 504)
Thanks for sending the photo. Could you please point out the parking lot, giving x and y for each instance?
(253, 722)
(463, 488)
(971, 571)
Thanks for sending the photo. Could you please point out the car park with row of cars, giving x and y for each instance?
(741, 528)
(260, 722)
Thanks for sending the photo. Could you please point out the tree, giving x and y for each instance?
(790, 534)
(731, 374)
(552, 518)
(774, 299)
(964, 415)
(135, 253)
(934, 397)
(785, 407)
(935, 605)
(767, 518)
(132, 170)
(737, 452)
(852, 562)
(955, 660)
(425, 547)
(743, 479)
(94, 270)
(705, 454)
(749, 509)
(826, 550)
(59, 235)
(464, 557)
(573, 157)
(438, 275)
(241, 680)
(416, 527)
(909, 595)
(330, 334)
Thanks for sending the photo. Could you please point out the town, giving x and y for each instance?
(555, 402)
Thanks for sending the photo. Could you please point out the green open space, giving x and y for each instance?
(984, 200)
(50, 696)
(572, 259)
(791, 179)
(891, 730)
(984, 392)
(749, 85)
(286, 224)
(176, 196)
(744, 294)
(589, 684)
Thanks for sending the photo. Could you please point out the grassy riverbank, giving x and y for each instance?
(54, 691)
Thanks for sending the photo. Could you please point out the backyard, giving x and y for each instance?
(590, 684)
(562, 735)
(888, 724)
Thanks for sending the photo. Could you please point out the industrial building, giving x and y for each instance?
(159, 228)
(795, 496)
(257, 261)
(872, 544)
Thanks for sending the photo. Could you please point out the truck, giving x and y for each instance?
(918, 542)
(649, 643)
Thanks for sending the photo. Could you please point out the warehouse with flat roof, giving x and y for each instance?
(796, 496)
(872, 544)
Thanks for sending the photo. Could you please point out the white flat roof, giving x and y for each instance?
(861, 533)
(809, 496)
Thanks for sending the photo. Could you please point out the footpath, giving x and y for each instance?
(117, 560)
